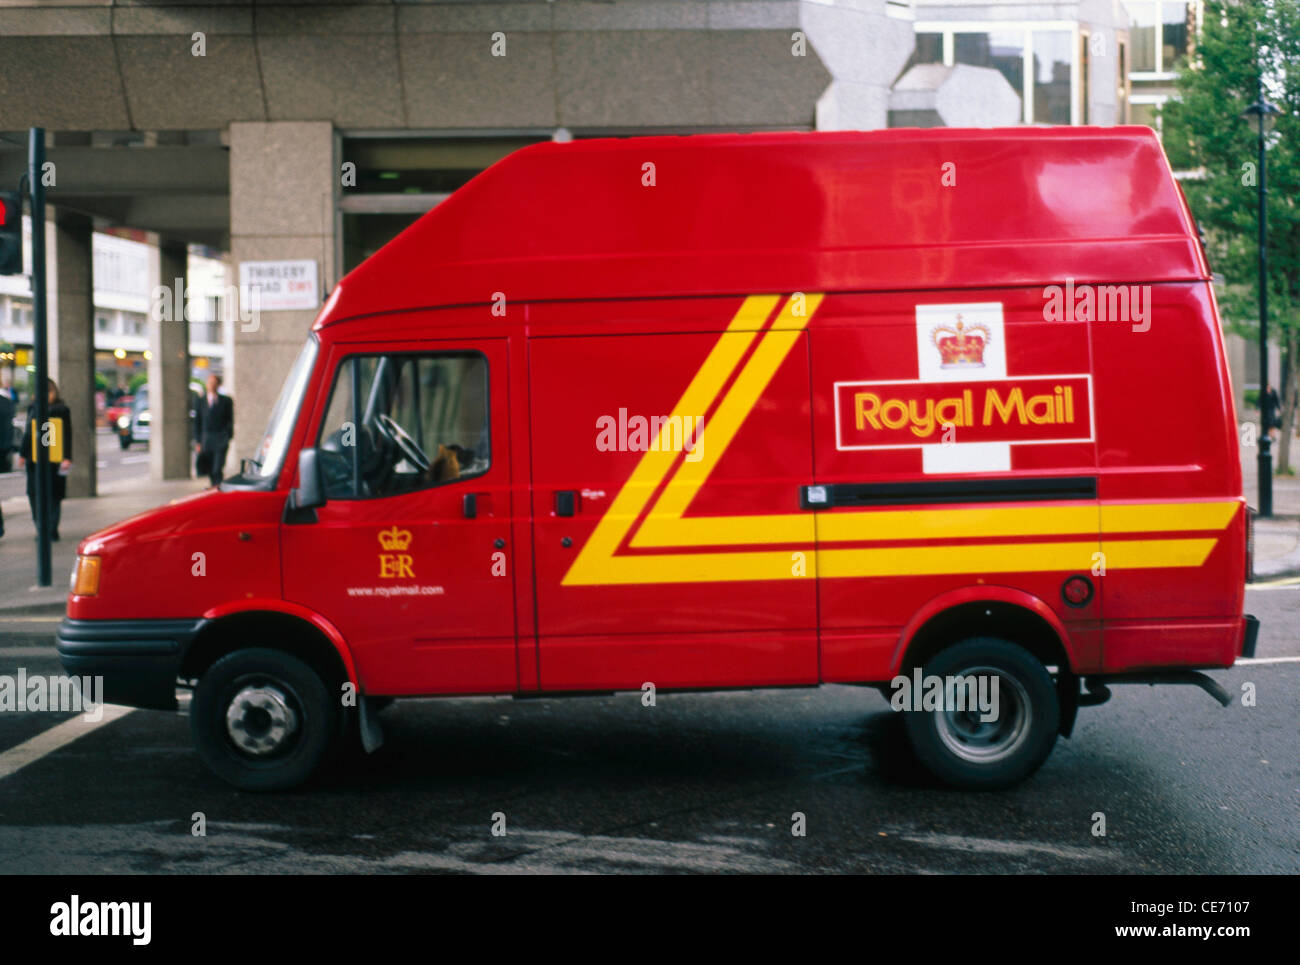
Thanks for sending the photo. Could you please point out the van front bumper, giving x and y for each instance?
(138, 659)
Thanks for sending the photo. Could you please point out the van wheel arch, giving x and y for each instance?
(1013, 623)
(267, 630)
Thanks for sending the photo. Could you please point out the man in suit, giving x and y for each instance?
(214, 424)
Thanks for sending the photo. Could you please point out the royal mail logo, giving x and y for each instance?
(903, 415)
(393, 562)
(394, 539)
(961, 346)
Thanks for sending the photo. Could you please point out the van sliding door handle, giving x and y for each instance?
(566, 502)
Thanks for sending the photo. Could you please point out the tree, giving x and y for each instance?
(1204, 130)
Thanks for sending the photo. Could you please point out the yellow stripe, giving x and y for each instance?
(597, 555)
(1166, 517)
(888, 525)
(597, 562)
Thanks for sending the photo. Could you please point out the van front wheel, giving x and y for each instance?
(263, 720)
(996, 717)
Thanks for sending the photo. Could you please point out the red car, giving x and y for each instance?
(113, 414)
(940, 412)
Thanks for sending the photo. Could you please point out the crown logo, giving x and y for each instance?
(394, 539)
(961, 345)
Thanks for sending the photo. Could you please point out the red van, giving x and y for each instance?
(907, 409)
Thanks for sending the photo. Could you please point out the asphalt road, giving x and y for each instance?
(701, 782)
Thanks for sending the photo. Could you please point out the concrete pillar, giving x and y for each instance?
(70, 314)
(169, 366)
(290, 215)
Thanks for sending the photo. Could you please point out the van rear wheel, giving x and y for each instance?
(263, 720)
(958, 744)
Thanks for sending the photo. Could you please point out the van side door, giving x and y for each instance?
(406, 557)
(668, 543)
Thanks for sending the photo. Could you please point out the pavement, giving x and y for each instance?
(1277, 540)
(118, 500)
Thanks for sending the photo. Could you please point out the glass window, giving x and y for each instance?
(928, 50)
(1175, 34)
(275, 441)
(1146, 115)
(1142, 35)
(1121, 92)
(1003, 50)
(1052, 76)
(398, 423)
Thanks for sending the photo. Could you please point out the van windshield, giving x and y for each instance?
(269, 455)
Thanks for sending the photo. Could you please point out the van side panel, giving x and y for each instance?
(1167, 434)
(661, 446)
(956, 432)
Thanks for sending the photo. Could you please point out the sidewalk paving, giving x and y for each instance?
(1277, 540)
(19, 593)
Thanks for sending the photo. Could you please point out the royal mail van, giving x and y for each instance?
(943, 412)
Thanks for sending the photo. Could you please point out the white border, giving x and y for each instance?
(1092, 412)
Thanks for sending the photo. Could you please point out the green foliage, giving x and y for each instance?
(137, 380)
(101, 383)
(1204, 128)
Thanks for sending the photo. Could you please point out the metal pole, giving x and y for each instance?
(35, 164)
(1265, 470)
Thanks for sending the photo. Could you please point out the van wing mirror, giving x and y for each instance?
(310, 491)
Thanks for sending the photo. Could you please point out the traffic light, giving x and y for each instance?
(11, 233)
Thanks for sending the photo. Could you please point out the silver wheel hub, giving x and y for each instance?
(260, 720)
(979, 741)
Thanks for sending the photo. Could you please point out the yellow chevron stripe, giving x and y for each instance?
(665, 526)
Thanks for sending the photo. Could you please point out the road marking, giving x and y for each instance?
(33, 619)
(1248, 661)
(47, 742)
(131, 460)
(7, 652)
(1291, 582)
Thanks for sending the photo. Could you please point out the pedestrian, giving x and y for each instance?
(57, 436)
(214, 425)
(1271, 412)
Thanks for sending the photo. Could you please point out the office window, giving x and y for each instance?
(1121, 93)
(1176, 29)
(1143, 34)
(103, 323)
(1003, 50)
(1051, 76)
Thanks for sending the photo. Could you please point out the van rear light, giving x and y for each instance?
(1250, 544)
(85, 576)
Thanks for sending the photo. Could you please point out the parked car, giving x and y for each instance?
(134, 425)
(115, 410)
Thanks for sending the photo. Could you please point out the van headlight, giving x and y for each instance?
(85, 576)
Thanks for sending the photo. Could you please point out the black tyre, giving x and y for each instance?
(965, 751)
(263, 720)
(124, 442)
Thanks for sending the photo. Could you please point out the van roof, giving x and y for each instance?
(728, 214)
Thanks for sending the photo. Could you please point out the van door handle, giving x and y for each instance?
(566, 502)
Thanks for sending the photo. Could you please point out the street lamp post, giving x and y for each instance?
(1264, 113)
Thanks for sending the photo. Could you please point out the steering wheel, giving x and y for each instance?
(409, 448)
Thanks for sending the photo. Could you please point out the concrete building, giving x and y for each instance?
(312, 133)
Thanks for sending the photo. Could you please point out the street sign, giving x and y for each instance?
(283, 286)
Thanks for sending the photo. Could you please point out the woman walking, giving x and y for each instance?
(59, 441)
